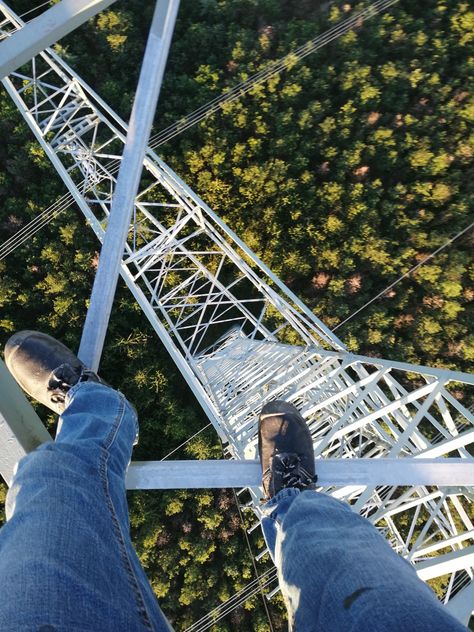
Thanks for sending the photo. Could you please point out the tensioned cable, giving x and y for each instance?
(252, 556)
(258, 577)
(236, 597)
(40, 6)
(185, 442)
(227, 611)
(403, 276)
(223, 612)
(223, 609)
(205, 111)
(209, 621)
(35, 225)
(267, 73)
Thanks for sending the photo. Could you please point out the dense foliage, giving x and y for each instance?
(341, 173)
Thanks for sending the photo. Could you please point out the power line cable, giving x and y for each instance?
(225, 612)
(185, 442)
(406, 274)
(220, 611)
(260, 584)
(209, 622)
(270, 71)
(252, 556)
(207, 110)
(40, 6)
(247, 540)
(27, 231)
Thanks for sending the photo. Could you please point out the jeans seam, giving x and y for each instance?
(103, 470)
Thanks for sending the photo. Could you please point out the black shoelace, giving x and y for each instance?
(286, 470)
(292, 472)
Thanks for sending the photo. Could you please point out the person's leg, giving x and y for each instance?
(336, 572)
(66, 559)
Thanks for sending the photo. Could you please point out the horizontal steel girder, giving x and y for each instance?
(331, 472)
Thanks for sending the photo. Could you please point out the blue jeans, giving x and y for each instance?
(337, 573)
(67, 563)
(66, 560)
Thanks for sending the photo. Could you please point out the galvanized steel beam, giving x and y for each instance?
(46, 30)
(131, 166)
(451, 473)
(21, 430)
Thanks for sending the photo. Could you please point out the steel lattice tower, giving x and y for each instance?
(241, 338)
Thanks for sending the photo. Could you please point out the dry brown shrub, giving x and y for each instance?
(461, 96)
(434, 302)
(420, 256)
(361, 172)
(373, 118)
(95, 261)
(398, 120)
(454, 348)
(163, 539)
(405, 320)
(354, 283)
(320, 280)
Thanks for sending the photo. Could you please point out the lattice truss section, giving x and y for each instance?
(359, 407)
(191, 274)
(225, 318)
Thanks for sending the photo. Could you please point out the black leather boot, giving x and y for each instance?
(285, 448)
(44, 367)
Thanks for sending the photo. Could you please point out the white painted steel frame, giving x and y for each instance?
(21, 430)
(46, 30)
(452, 473)
(224, 317)
(128, 180)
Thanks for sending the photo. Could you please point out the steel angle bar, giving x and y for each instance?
(462, 513)
(359, 423)
(412, 425)
(180, 360)
(443, 375)
(131, 167)
(331, 472)
(461, 605)
(45, 30)
(444, 447)
(404, 503)
(444, 564)
(21, 430)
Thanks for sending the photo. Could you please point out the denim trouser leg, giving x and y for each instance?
(337, 573)
(66, 560)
